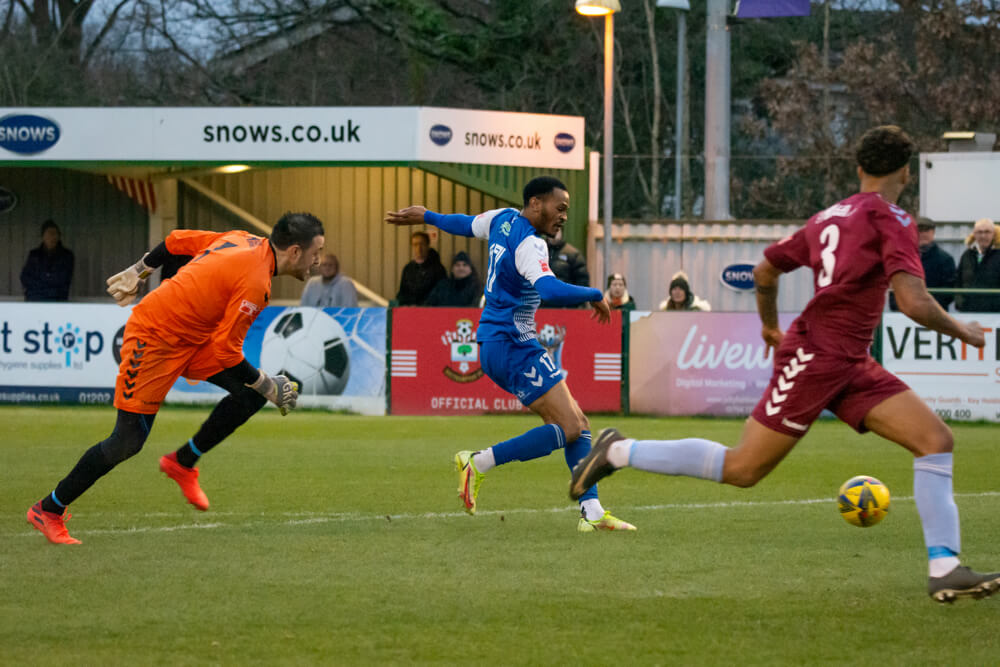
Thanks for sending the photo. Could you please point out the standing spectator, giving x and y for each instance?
(939, 266)
(49, 270)
(979, 267)
(462, 288)
(681, 297)
(422, 273)
(617, 294)
(568, 265)
(331, 288)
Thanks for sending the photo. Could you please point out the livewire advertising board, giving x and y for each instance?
(957, 381)
(694, 363)
(435, 361)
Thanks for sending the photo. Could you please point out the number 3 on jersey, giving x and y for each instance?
(496, 252)
(829, 238)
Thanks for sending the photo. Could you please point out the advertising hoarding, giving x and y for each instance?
(69, 353)
(336, 355)
(291, 134)
(957, 381)
(59, 353)
(693, 363)
(435, 361)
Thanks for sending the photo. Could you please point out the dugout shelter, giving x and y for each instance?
(118, 180)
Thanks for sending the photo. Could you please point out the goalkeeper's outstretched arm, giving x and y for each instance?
(124, 285)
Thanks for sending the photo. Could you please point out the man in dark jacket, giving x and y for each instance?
(979, 267)
(422, 273)
(49, 270)
(939, 266)
(462, 288)
(568, 264)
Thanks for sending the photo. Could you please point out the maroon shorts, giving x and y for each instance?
(807, 381)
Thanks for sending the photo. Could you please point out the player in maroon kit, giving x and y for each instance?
(856, 250)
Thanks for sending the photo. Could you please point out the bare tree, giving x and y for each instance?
(44, 47)
(929, 67)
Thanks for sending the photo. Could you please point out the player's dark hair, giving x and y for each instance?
(426, 237)
(540, 186)
(296, 229)
(884, 149)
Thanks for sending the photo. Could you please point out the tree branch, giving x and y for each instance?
(92, 48)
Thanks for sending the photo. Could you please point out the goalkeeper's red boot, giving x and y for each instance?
(51, 525)
(186, 478)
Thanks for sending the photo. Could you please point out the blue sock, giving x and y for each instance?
(539, 441)
(691, 457)
(575, 451)
(938, 512)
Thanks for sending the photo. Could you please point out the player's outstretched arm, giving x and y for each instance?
(916, 303)
(602, 310)
(453, 223)
(558, 293)
(411, 215)
(765, 278)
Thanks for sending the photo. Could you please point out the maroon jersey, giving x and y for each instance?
(853, 248)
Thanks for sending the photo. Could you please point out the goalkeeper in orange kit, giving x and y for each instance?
(192, 325)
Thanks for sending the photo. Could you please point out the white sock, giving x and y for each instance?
(939, 567)
(484, 460)
(592, 509)
(619, 452)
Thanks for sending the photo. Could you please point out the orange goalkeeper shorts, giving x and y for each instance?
(151, 363)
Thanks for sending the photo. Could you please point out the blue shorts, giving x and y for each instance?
(523, 369)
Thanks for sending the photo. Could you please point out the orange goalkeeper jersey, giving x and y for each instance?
(216, 296)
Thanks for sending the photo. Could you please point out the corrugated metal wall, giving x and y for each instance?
(103, 227)
(650, 254)
(351, 202)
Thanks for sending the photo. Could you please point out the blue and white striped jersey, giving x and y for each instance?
(518, 257)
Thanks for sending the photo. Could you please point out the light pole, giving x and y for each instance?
(607, 9)
(683, 6)
(717, 111)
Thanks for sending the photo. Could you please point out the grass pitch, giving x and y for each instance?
(340, 540)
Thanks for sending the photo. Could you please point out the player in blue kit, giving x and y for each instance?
(517, 279)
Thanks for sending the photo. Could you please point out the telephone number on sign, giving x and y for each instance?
(954, 414)
(94, 397)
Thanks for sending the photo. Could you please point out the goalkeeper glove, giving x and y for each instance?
(124, 286)
(278, 389)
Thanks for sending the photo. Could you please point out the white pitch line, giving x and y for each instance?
(312, 518)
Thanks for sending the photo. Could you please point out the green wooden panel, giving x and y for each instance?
(104, 228)
(506, 183)
(351, 202)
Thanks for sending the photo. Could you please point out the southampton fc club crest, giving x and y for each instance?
(552, 337)
(461, 342)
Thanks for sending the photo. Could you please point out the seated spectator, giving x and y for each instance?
(979, 267)
(48, 272)
(617, 294)
(462, 288)
(939, 266)
(568, 265)
(331, 288)
(681, 296)
(422, 273)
